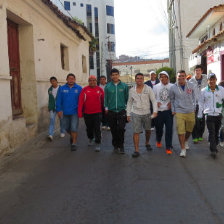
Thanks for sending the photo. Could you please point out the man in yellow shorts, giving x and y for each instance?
(182, 97)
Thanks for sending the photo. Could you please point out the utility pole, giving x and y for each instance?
(171, 23)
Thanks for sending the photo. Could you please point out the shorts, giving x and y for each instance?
(185, 122)
(71, 122)
(140, 122)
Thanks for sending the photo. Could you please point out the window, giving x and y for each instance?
(90, 27)
(89, 10)
(96, 12)
(67, 5)
(84, 67)
(64, 57)
(96, 30)
(110, 28)
(91, 62)
(110, 10)
(97, 59)
(111, 46)
(74, 3)
(81, 4)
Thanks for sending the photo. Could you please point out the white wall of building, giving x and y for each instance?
(80, 12)
(187, 14)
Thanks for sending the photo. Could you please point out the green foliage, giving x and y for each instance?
(93, 45)
(170, 71)
(79, 21)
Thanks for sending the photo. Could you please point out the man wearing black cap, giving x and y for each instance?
(210, 104)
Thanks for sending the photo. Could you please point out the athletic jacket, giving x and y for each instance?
(210, 103)
(91, 100)
(116, 96)
(149, 83)
(182, 101)
(140, 104)
(162, 95)
(51, 99)
(68, 98)
(198, 88)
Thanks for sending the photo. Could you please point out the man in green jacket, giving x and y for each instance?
(115, 101)
(52, 93)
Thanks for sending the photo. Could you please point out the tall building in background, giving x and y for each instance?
(98, 17)
(183, 15)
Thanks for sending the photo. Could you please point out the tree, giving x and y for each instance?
(170, 71)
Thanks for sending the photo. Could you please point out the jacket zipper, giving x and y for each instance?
(116, 97)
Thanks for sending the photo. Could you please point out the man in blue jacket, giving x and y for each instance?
(67, 104)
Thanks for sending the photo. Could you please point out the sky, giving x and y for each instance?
(141, 28)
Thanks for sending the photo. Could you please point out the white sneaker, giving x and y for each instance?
(108, 128)
(91, 142)
(221, 144)
(104, 127)
(152, 129)
(62, 135)
(186, 145)
(183, 153)
(50, 137)
(97, 149)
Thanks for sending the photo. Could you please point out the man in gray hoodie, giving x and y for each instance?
(182, 97)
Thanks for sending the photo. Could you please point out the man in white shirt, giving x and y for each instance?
(210, 104)
(165, 117)
(139, 104)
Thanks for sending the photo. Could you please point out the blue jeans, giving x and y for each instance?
(52, 123)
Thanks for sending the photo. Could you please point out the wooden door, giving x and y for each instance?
(14, 65)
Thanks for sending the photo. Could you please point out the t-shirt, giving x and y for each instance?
(153, 82)
(54, 91)
(183, 87)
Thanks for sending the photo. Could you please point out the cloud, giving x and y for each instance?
(141, 28)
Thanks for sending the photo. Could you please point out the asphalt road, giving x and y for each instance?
(44, 182)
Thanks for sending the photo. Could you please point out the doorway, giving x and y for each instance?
(14, 66)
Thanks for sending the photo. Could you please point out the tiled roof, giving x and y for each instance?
(207, 41)
(141, 62)
(203, 17)
(72, 24)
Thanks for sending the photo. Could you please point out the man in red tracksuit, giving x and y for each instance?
(91, 102)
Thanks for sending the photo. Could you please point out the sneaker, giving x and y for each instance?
(122, 150)
(97, 149)
(50, 137)
(213, 154)
(152, 129)
(108, 128)
(158, 144)
(200, 139)
(91, 142)
(169, 152)
(62, 135)
(104, 127)
(116, 150)
(183, 153)
(135, 154)
(73, 147)
(186, 145)
(195, 140)
(148, 147)
(221, 144)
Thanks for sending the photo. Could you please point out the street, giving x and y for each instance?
(48, 183)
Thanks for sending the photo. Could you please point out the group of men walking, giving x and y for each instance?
(156, 101)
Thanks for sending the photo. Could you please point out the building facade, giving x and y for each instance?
(37, 42)
(129, 69)
(182, 15)
(98, 16)
(209, 31)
